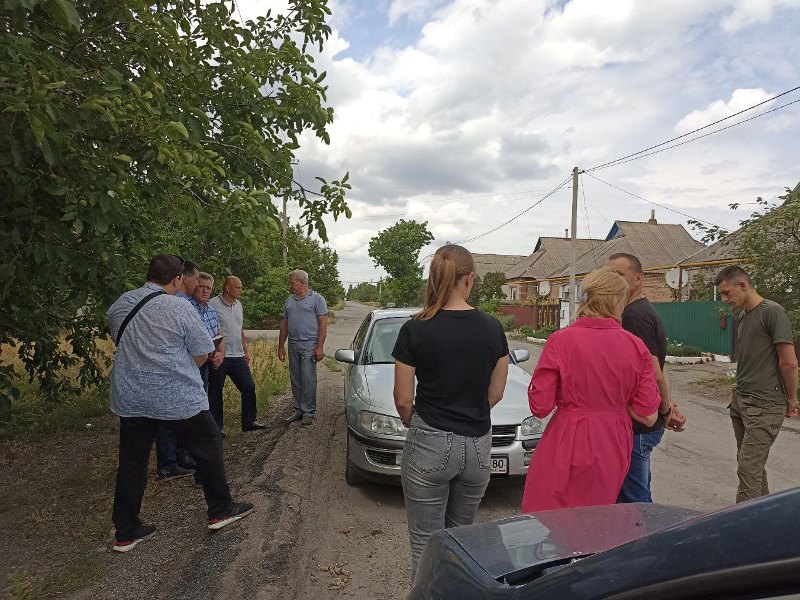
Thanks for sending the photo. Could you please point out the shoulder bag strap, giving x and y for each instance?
(133, 312)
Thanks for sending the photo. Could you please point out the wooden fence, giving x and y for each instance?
(544, 315)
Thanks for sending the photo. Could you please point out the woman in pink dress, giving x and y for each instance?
(598, 376)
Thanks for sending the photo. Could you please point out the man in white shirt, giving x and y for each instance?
(236, 362)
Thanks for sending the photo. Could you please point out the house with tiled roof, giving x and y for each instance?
(548, 258)
(659, 246)
(495, 263)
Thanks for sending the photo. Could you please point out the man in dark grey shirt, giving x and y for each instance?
(766, 378)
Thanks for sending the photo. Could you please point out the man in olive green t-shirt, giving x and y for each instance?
(766, 378)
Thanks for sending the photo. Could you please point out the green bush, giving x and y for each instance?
(678, 349)
(491, 306)
(507, 321)
(263, 300)
(526, 330)
(544, 332)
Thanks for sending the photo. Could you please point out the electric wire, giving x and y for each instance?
(652, 202)
(707, 134)
(647, 150)
(588, 227)
(517, 216)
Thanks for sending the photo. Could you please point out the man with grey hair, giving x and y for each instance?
(305, 323)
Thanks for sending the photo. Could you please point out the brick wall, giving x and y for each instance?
(655, 288)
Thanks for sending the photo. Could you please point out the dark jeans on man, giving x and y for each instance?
(198, 434)
(169, 453)
(239, 372)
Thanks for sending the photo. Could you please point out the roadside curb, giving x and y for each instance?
(536, 340)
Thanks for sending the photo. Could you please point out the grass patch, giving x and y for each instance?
(339, 305)
(723, 381)
(270, 375)
(678, 349)
(31, 413)
(332, 364)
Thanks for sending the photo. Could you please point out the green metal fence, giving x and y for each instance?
(698, 324)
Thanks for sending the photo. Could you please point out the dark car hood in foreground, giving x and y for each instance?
(512, 548)
(640, 551)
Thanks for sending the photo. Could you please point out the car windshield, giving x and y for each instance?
(381, 341)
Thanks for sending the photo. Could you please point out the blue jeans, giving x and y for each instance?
(303, 373)
(239, 371)
(444, 477)
(636, 487)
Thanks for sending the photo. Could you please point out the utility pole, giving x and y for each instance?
(573, 244)
(285, 222)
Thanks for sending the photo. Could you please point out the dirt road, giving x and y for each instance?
(313, 536)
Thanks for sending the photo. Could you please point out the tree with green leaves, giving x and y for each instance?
(397, 249)
(131, 128)
(364, 292)
(769, 244)
(491, 286)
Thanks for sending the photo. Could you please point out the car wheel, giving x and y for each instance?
(351, 473)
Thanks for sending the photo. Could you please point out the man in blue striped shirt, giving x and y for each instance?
(208, 315)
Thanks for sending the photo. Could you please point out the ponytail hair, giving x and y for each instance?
(601, 291)
(449, 265)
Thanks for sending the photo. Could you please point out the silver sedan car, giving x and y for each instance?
(375, 435)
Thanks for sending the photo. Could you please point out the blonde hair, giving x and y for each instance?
(449, 264)
(602, 290)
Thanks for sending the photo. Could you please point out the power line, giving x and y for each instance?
(651, 202)
(588, 227)
(434, 212)
(700, 137)
(636, 154)
(515, 217)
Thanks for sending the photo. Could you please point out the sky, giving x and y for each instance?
(465, 113)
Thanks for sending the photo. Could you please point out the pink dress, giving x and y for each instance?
(590, 372)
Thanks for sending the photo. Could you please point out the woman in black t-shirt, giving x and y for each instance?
(459, 357)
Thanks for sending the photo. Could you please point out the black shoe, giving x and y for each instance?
(198, 481)
(236, 511)
(175, 472)
(144, 532)
(307, 420)
(253, 426)
(295, 416)
(187, 463)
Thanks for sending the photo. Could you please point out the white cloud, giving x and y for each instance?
(504, 96)
(719, 109)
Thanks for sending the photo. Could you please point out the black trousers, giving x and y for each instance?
(201, 438)
(239, 372)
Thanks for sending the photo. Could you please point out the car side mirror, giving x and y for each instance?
(521, 355)
(346, 356)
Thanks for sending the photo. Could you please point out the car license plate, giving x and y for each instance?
(499, 465)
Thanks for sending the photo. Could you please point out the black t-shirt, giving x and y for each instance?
(642, 320)
(454, 353)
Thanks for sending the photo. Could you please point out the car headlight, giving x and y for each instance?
(384, 424)
(532, 426)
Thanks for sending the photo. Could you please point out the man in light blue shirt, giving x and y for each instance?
(172, 459)
(160, 344)
(305, 324)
